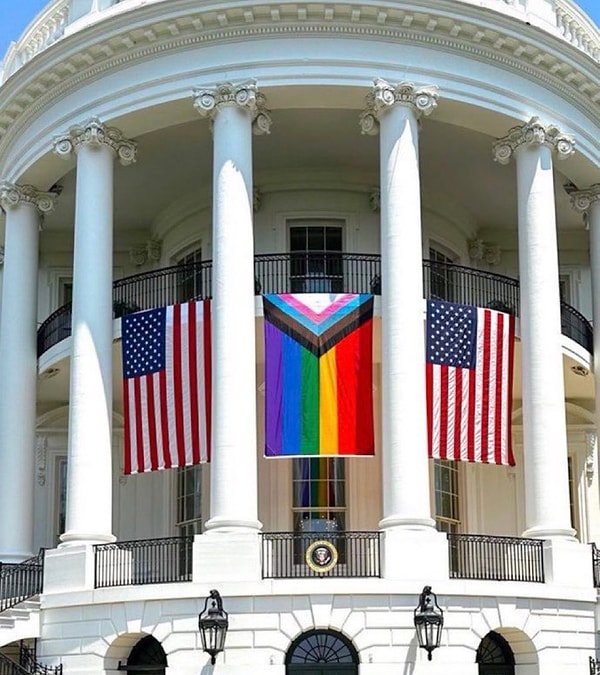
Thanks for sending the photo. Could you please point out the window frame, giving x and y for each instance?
(447, 523)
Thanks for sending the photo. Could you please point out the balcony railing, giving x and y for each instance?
(20, 581)
(594, 666)
(596, 564)
(145, 561)
(478, 556)
(294, 555)
(28, 661)
(313, 272)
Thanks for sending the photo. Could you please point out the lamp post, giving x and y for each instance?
(213, 623)
(429, 620)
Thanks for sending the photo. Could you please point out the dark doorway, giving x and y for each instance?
(147, 656)
(494, 656)
(321, 652)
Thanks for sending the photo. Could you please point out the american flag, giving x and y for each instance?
(469, 365)
(167, 386)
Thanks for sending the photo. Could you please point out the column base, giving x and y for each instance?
(235, 557)
(541, 532)
(394, 522)
(421, 555)
(84, 538)
(223, 525)
(69, 569)
(568, 563)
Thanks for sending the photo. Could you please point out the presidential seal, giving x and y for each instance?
(321, 556)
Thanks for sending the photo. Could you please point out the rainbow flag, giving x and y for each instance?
(318, 374)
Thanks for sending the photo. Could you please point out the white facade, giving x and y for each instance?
(138, 136)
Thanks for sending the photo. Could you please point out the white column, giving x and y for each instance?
(234, 110)
(587, 201)
(18, 366)
(89, 477)
(395, 110)
(547, 512)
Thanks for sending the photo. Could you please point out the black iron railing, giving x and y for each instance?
(312, 272)
(478, 556)
(20, 581)
(10, 667)
(28, 660)
(317, 272)
(293, 555)
(596, 564)
(594, 666)
(144, 561)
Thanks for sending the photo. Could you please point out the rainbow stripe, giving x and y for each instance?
(319, 373)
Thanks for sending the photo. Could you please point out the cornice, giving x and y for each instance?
(132, 37)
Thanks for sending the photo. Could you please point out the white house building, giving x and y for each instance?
(153, 152)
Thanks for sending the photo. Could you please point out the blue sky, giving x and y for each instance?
(15, 16)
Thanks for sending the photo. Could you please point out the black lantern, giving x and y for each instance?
(429, 620)
(213, 624)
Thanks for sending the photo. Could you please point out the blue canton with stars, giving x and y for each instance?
(451, 334)
(144, 342)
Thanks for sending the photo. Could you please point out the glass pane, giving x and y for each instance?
(319, 494)
(189, 499)
(333, 239)
(446, 495)
(315, 238)
(61, 510)
(297, 239)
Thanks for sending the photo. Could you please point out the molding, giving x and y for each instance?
(421, 99)
(12, 196)
(150, 251)
(257, 196)
(591, 441)
(41, 457)
(481, 250)
(246, 96)
(582, 200)
(94, 132)
(490, 37)
(375, 200)
(533, 133)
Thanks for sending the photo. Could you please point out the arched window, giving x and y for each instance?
(147, 656)
(322, 652)
(494, 656)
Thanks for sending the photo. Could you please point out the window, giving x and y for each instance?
(319, 494)
(65, 291)
(316, 261)
(446, 486)
(564, 287)
(61, 498)
(189, 500)
(189, 512)
(318, 652)
(573, 502)
(189, 276)
(494, 656)
(147, 656)
(441, 276)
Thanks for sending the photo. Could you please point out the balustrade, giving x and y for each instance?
(313, 272)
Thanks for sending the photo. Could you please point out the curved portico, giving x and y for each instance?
(211, 210)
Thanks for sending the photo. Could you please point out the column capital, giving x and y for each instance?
(12, 195)
(531, 133)
(582, 200)
(246, 96)
(422, 99)
(95, 132)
